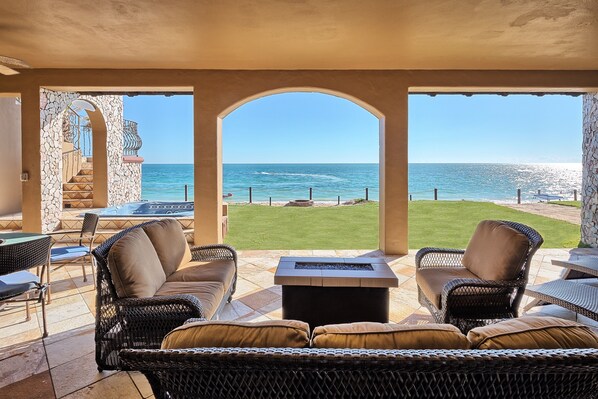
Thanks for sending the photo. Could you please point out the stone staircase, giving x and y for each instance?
(78, 192)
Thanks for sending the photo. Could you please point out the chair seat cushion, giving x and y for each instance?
(209, 293)
(19, 278)
(15, 284)
(170, 244)
(222, 271)
(431, 281)
(368, 335)
(135, 267)
(8, 291)
(227, 334)
(496, 251)
(68, 253)
(531, 332)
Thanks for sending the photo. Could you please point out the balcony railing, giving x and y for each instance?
(131, 139)
(77, 131)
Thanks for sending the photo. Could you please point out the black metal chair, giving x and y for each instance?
(15, 279)
(65, 255)
(468, 301)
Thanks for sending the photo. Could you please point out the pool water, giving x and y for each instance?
(149, 208)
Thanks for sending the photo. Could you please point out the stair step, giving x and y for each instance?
(82, 179)
(77, 203)
(86, 172)
(77, 186)
(77, 194)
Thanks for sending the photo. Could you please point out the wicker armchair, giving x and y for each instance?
(143, 322)
(472, 302)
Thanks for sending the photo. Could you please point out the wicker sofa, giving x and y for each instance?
(325, 370)
(149, 282)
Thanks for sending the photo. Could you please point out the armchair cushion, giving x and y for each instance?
(368, 335)
(135, 267)
(533, 333)
(170, 244)
(496, 251)
(209, 293)
(263, 334)
(431, 281)
(222, 271)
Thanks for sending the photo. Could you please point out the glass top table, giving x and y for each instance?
(17, 238)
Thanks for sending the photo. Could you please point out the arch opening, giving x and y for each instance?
(84, 156)
(303, 156)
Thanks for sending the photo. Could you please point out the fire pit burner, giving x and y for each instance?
(334, 266)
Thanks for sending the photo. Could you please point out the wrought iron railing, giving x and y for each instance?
(131, 139)
(77, 130)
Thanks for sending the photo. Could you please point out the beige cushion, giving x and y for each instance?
(432, 281)
(222, 271)
(367, 335)
(170, 243)
(209, 293)
(135, 266)
(533, 333)
(496, 251)
(263, 334)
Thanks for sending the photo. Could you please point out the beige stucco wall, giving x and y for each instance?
(10, 156)
(217, 92)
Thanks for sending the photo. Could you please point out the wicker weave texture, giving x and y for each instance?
(469, 303)
(320, 373)
(123, 323)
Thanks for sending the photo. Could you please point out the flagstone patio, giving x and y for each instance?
(63, 365)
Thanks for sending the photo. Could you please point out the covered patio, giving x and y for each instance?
(63, 365)
(228, 53)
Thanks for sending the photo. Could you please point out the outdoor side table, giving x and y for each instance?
(323, 291)
(571, 294)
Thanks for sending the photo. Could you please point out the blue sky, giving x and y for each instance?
(317, 128)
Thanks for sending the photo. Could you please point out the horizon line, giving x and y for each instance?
(366, 163)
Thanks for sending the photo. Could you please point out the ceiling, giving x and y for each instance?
(302, 34)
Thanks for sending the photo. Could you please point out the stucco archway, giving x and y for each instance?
(208, 156)
(98, 144)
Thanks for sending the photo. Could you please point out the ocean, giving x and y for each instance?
(283, 182)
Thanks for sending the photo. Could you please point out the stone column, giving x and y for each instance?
(589, 190)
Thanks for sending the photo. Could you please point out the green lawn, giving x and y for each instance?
(431, 223)
(575, 204)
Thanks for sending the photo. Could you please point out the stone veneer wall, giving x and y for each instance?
(589, 191)
(124, 179)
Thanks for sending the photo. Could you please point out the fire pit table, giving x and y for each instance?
(334, 290)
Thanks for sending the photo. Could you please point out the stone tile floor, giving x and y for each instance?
(63, 365)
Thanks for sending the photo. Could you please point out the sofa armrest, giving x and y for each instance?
(438, 257)
(477, 287)
(214, 252)
(185, 305)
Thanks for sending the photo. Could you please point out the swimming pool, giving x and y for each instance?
(148, 208)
